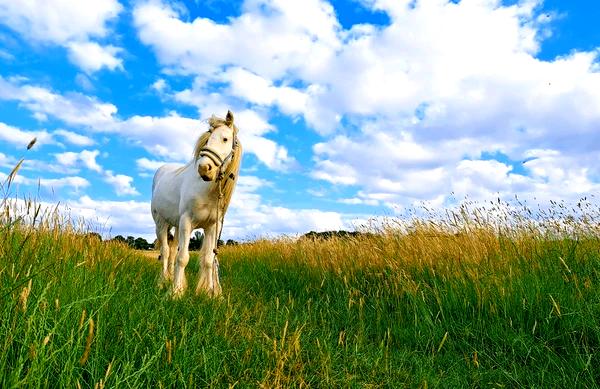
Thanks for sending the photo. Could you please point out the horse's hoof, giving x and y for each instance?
(204, 289)
(165, 281)
(201, 291)
(176, 293)
(209, 292)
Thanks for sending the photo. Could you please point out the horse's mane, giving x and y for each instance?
(233, 166)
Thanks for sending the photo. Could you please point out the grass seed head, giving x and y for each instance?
(24, 296)
(31, 143)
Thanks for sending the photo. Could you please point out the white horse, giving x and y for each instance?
(196, 196)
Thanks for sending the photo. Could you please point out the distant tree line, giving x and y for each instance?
(197, 239)
(136, 243)
(196, 242)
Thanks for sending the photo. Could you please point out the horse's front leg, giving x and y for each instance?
(183, 256)
(208, 281)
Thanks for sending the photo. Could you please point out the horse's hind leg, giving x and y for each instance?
(162, 231)
(173, 243)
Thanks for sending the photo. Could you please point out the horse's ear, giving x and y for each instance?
(229, 119)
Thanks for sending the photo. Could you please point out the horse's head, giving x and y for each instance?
(214, 156)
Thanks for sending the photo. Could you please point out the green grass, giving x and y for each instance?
(426, 309)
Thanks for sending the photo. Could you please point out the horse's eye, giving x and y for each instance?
(225, 139)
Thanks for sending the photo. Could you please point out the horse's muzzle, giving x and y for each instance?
(206, 172)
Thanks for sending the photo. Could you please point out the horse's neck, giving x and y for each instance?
(212, 189)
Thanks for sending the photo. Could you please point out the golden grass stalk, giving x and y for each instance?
(88, 343)
(168, 346)
(82, 318)
(108, 371)
(14, 172)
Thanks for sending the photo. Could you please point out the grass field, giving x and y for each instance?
(457, 303)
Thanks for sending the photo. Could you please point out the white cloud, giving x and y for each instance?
(91, 57)
(258, 90)
(35, 165)
(359, 201)
(440, 93)
(114, 217)
(89, 160)
(21, 138)
(74, 108)
(74, 138)
(291, 35)
(159, 85)
(407, 112)
(443, 84)
(297, 42)
(171, 136)
(268, 152)
(253, 127)
(66, 23)
(146, 164)
(86, 158)
(58, 21)
(74, 182)
(7, 161)
(68, 158)
(249, 217)
(134, 218)
(335, 173)
(252, 124)
(123, 184)
(551, 177)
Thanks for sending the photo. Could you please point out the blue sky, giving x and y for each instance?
(348, 110)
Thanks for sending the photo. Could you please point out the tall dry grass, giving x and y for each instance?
(497, 234)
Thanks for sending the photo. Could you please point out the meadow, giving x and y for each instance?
(478, 297)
